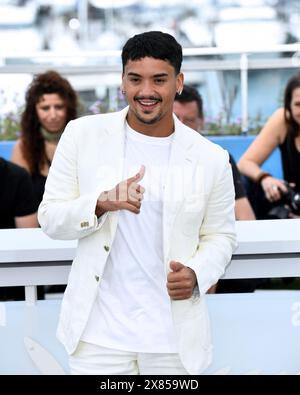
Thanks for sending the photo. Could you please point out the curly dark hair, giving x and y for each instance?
(33, 143)
(292, 125)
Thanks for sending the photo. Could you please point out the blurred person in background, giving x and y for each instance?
(50, 104)
(17, 203)
(188, 107)
(270, 196)
(17, 210)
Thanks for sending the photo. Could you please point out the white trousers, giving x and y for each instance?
(93, 359)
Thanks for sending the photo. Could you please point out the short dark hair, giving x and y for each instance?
(190, 94)
(154, 44)
(292, 84)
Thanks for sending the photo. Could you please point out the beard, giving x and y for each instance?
(139, 115)
(148, 121)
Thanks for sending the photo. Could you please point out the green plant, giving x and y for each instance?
(10, 126)
(256, 124)
(10, 122)
(104, 105)
(219, 125)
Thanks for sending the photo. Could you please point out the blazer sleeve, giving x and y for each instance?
(64, 212)
(217, 232)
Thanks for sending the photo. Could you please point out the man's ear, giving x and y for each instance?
(201, 124)
(122, 82)
(179, 82)
(122, 88)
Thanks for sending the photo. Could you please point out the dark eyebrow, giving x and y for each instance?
(155, 76)
(134, 74)
(160, 75)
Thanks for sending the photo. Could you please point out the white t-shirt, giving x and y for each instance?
(133, 310)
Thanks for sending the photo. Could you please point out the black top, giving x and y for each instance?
(16, 194)
(39, 181)
(290, 161)
(237, 180)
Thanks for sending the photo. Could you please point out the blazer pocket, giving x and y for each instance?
(192, 214)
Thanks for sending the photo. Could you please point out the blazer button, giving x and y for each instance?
(97, 278)
(106, 248)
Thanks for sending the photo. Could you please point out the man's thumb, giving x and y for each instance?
(176, 266)
(139, 176)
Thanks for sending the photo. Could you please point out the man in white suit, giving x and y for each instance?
(152, 205)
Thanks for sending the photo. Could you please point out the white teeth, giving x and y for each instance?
(148, 103)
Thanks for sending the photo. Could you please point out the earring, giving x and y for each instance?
(179, 92)
(123, 92)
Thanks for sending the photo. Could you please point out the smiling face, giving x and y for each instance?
(150, 85)
(52, 112)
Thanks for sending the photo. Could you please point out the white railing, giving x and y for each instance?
(105, 54)
(109, 61)
(267, 249)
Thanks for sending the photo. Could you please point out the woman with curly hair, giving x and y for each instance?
(50, 104)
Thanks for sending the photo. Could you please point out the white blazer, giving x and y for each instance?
(198, 221)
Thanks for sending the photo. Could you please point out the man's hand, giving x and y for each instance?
(181, 281)
(127, 195)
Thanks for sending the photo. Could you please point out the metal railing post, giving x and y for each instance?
(244, 92)
(30, 295)
(84, 22)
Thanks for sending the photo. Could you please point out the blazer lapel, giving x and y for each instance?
(179, 176)
(179, 180)
(111, 164)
